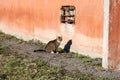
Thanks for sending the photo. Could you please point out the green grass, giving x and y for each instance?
(21, 67)
(13, 67)
(88, 61)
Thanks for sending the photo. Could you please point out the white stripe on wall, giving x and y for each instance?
(105, 34)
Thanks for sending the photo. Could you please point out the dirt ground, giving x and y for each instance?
(68, 61)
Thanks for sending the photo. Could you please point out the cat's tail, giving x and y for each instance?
(39, 50)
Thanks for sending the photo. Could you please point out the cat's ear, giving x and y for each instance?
(59, 35)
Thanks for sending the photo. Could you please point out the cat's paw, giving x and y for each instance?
(52, 52)
(57, 52)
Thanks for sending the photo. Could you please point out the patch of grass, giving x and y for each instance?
(21, 67)
(104, 78)
(60, 49)
(25, 68)
(85, 59)
(31, 41)
(4, 50)
(4, 36)
(47, 71)
(37, 42)
(12, 37)
(95, 62)
(100, 68)
(77, 55)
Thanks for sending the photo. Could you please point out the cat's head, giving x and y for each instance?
(59, 38)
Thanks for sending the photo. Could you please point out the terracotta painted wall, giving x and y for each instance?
(114, 36)
(40, 19)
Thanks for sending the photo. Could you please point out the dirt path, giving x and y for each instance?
(65, 60)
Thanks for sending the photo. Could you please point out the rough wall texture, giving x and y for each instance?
(41, 19)
(114, 36)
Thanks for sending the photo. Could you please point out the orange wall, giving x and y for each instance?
(41, 19)
(114, 36)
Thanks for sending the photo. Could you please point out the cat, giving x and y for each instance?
(51, 46)
(67, 47)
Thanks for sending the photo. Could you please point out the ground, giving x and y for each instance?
(19, 62)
